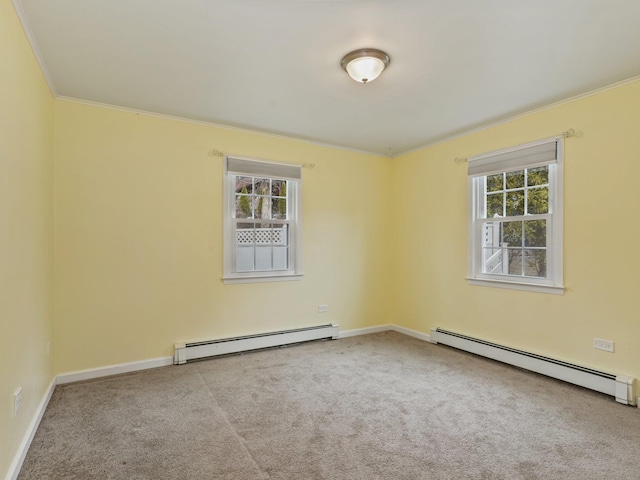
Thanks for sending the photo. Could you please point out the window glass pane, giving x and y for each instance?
(535, 233)
(245, 234)
(280, 247)
(280, 258)
(264, 240)
(515, 203)
(535, 263)
(245, 251)
(492, 252)
(538, 176)
(264, 234)
(244, 185)
(243, 205)
(244, 259)
(494, 205)
(262, 186)
(279, 188)
(495, 183)
(491, 235)
(492, 260)
(263, 258)
(262, 202)
(515, 179)
(538, 200)
(512, 234)
(281, 235)
(279, 208)
(263, 207)
(515, 261)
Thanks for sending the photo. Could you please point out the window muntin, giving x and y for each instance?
(262, 223)
(515, 205)
(263, 244)
(515, 217)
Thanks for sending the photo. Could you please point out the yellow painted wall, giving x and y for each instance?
(26, 254)
(602, 233)
(132, 261)
(138, 237)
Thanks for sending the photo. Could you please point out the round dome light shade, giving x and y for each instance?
(365, 65)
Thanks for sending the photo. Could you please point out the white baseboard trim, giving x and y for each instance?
(412, 333)
(113, 370)
(92, 373)
(385, 328)
(364, 331)
(16, 465)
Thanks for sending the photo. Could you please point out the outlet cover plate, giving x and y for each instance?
(323, 308)
(601, 344)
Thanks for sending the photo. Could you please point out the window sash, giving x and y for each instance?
(549, 248)
(230, 247)
(553, 282)
(291, 231)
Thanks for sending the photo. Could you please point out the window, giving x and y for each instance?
(515, 218)
(262, 221)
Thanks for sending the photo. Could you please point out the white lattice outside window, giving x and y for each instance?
(515, 217)
(262, 205)
(261, 236)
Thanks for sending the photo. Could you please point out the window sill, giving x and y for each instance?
(529, 287)
(289, 277)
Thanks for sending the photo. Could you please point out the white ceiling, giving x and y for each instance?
(274, 65)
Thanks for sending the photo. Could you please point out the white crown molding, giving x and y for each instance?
(218, 125)
(574, 98)
(487, 126)
(22, 16)
(43, 67)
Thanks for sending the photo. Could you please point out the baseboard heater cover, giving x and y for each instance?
(621, 387)
(191, 351)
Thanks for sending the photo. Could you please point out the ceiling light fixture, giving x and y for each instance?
(366, 64)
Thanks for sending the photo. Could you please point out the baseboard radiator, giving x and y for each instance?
(621, 387)
(191, 351)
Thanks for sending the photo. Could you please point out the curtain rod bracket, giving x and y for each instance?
(571, 133)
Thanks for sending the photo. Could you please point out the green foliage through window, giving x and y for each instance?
(520, 193)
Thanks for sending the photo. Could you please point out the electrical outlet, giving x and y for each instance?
(48, 348)
(323, 308)
(600, 344)
(17, 401)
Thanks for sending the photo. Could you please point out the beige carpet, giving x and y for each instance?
(382, 406)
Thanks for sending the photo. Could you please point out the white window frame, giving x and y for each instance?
(553, 283)
(252, 167)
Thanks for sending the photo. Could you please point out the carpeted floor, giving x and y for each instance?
(381, 406)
